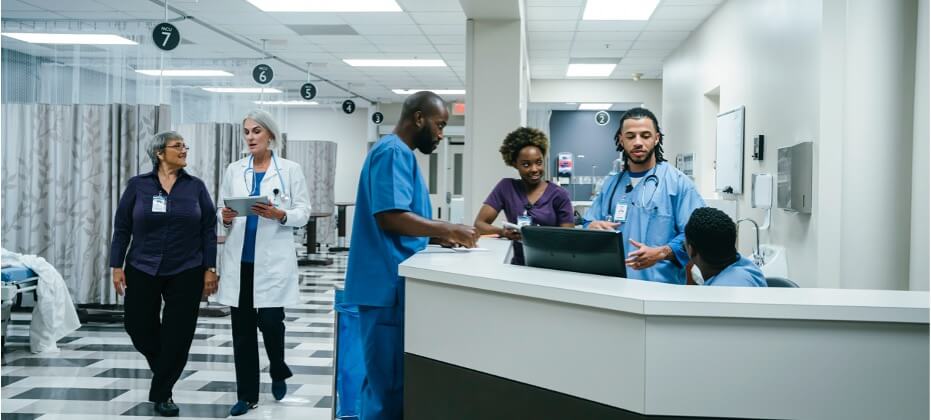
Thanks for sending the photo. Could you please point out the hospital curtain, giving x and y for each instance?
(64, 168)
(318, 160)
(213, 147)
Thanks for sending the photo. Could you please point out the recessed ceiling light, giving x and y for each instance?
(436, 91)
(83, 39)
(590, 70)
(287, 103)
(619, 9)
(342, 6)
(395, 63)
(594, 107)
(240, 90)
(185, 73)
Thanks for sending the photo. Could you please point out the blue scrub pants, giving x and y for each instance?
(382, 330)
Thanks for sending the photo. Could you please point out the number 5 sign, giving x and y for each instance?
(166, 36)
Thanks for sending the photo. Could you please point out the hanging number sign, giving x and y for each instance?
(377, 118)
(602, 118)
(166, 36)
(308, 91)
(263, 74)
(349, 106)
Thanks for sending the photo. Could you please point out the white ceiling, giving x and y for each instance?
(427, 29)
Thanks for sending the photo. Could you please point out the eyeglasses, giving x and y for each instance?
(179, 147)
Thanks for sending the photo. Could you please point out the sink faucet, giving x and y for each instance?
(757, 253)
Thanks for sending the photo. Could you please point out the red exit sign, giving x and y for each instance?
(458, 108)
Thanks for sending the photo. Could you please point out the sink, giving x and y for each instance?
(774, 261)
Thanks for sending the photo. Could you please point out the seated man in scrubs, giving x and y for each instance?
(392, 222)
(710, 236)
(649, 201)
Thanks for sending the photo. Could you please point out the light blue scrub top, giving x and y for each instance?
(657, 211)
(390, 180)
(252, 224)
(741, 273)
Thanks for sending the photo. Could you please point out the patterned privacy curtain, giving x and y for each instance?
(213, 147)
(64, 169)
(318, 160)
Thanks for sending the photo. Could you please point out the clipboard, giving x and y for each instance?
(243, 205)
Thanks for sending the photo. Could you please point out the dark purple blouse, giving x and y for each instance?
(553, 208)
(181, 238)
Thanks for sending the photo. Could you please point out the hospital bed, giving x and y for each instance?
(17, 281)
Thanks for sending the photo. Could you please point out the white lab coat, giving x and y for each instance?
(276, 282)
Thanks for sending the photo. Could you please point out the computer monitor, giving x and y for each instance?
(580, 250)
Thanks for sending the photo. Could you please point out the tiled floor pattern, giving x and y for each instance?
(98, 375)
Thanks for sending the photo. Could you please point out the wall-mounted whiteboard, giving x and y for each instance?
(729, 159)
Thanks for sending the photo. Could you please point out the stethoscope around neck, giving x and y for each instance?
(245, 178)
(606, 207)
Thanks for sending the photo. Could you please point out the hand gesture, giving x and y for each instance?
(645, 256)
(603, 225)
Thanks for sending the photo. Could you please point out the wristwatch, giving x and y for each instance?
(212, 270)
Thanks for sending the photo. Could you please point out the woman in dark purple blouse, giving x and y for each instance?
(530, 199)
(168, 221)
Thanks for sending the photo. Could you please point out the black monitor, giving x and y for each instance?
(580, 250)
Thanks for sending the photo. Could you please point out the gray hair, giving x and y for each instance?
(267, 122)
(158, 143)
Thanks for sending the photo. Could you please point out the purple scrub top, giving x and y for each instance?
(553, 208)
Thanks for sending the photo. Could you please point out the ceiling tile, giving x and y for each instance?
(377, 18)
(550, 45)
(664, 35)
(599, 53)
(554, 13)
(598, 45)
(672, 25)
(438, 18)
(650, 45)
(550, 36)
(606, 36)
(300, 18)
(18, 6)
(444, 30)
(408, 49)
(556, 3)
(447, 39)
(654, 53)
(665, 12)
(600, 25)
(399, 40)
(387, 29)
(430, 5)
(551, 25)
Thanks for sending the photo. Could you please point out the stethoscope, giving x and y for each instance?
(642, 184)
(279, 195)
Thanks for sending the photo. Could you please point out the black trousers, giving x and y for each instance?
(165, 343)
(246, 342)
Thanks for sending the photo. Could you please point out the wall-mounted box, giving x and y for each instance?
(793, 181)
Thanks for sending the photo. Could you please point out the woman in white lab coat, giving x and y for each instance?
(258, 270)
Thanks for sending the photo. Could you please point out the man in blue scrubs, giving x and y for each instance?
(649, 201)
(710, 236)
(392, 222)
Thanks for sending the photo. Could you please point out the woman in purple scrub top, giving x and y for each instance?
(530, 200)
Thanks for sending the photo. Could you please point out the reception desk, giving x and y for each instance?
(487, 340)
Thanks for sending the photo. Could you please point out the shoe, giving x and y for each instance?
(167, 408)
(241, 407)
(279, 389)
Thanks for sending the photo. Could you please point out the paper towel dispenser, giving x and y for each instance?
(793, 181)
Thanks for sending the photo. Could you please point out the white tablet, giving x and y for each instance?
(243, 205)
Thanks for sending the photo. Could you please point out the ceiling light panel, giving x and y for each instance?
(590, 70)
(331, 6)
(594, 107)
(619, 9)
(82, 39)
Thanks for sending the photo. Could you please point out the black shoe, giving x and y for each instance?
(167, 408)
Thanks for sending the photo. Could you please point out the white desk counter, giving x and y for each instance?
(604, 346)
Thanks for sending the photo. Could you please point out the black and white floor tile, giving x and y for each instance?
(98, 375)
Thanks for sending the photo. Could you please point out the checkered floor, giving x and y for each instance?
(98, 374)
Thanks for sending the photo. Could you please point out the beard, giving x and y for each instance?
(646, 158)
(424, 141)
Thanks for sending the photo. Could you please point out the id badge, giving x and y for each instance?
(159, 204)
(620, 212)
(524, 221)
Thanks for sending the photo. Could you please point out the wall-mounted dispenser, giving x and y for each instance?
(793, 181)
(758, 147)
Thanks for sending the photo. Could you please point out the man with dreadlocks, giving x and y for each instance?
(649, 201)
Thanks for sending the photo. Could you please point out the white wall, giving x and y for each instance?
(762, 55)
(919, 269)
(351, 134)
(811, 71)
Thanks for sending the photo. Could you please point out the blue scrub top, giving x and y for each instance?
(741, 273)
(657, 211)
(252, 224)
(390, 180)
